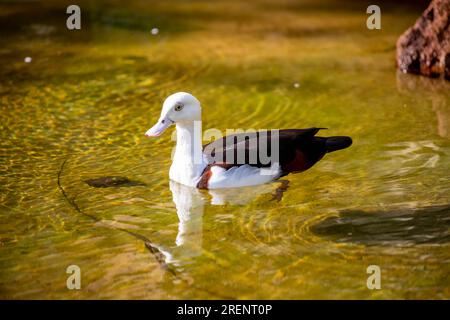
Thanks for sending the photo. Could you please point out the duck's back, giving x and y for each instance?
(242, 156)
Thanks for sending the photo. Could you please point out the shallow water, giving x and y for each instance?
(80, 109)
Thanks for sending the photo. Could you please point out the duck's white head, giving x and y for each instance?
(177, 108)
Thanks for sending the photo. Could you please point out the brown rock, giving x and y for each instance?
(425, 47)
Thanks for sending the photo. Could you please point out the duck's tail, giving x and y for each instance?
(337, 143)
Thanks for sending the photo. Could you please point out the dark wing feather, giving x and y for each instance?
(299, 149)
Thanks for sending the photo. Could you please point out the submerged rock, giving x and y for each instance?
(425, 47)
(113, 181)
(403, 226)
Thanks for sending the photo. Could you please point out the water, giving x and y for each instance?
(78, 110)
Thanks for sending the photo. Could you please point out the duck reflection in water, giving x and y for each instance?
(190, 203)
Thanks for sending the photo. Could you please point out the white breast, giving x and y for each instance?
(186, 172)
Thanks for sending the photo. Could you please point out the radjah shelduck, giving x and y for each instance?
(236, 160)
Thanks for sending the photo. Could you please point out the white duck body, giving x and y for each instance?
(189, 163)
(242, 176)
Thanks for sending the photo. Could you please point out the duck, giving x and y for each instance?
(241, 159)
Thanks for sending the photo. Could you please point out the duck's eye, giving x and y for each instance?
(178, 107)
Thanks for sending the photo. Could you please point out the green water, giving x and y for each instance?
(88, 96)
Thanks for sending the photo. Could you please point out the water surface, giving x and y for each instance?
(80, 108)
